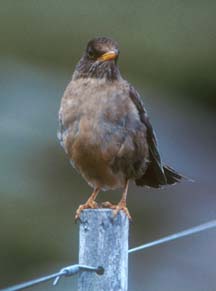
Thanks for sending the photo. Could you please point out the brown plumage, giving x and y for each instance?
(105, 130)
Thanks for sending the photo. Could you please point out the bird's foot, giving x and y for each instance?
(123, 207)
(116, 208)
(108, 204)
(90, 204)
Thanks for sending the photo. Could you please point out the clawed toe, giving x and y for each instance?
(124, 209)
(117, 208)
(107, 204)
(87, 205)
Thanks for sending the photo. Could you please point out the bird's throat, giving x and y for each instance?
(99, 70)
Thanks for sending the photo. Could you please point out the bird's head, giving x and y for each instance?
(99, 60)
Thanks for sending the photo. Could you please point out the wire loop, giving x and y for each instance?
(64, 272)
(74, 269)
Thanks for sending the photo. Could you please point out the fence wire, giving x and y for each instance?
(65, 272)
(74, 269)
(187, 232)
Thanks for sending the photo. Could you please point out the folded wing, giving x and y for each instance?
(156, 174)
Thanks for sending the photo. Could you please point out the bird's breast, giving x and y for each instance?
(92, 109)
(97, 120)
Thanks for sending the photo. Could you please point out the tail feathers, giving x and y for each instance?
(151, 179)
(172, 176)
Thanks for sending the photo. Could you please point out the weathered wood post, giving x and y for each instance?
(104, 242)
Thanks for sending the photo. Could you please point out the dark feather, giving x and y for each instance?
(156, 174)
(172, 176)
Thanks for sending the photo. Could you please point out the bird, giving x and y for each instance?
(105, 130)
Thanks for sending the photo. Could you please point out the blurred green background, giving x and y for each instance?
(168, 52)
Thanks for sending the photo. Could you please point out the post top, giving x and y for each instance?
(102, 214)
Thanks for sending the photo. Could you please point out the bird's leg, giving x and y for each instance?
(121, 205)
(90, 203)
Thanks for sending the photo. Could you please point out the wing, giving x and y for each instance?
(154, 175)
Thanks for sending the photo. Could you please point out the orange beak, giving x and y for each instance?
(110, 55)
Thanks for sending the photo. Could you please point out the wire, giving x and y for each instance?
(187, 232)
(74, 269)
(67, 271)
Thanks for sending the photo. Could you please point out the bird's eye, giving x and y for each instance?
(91, 53)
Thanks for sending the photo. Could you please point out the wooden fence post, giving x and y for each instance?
(103, 242)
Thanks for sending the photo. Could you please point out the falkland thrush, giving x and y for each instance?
(105, 130)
